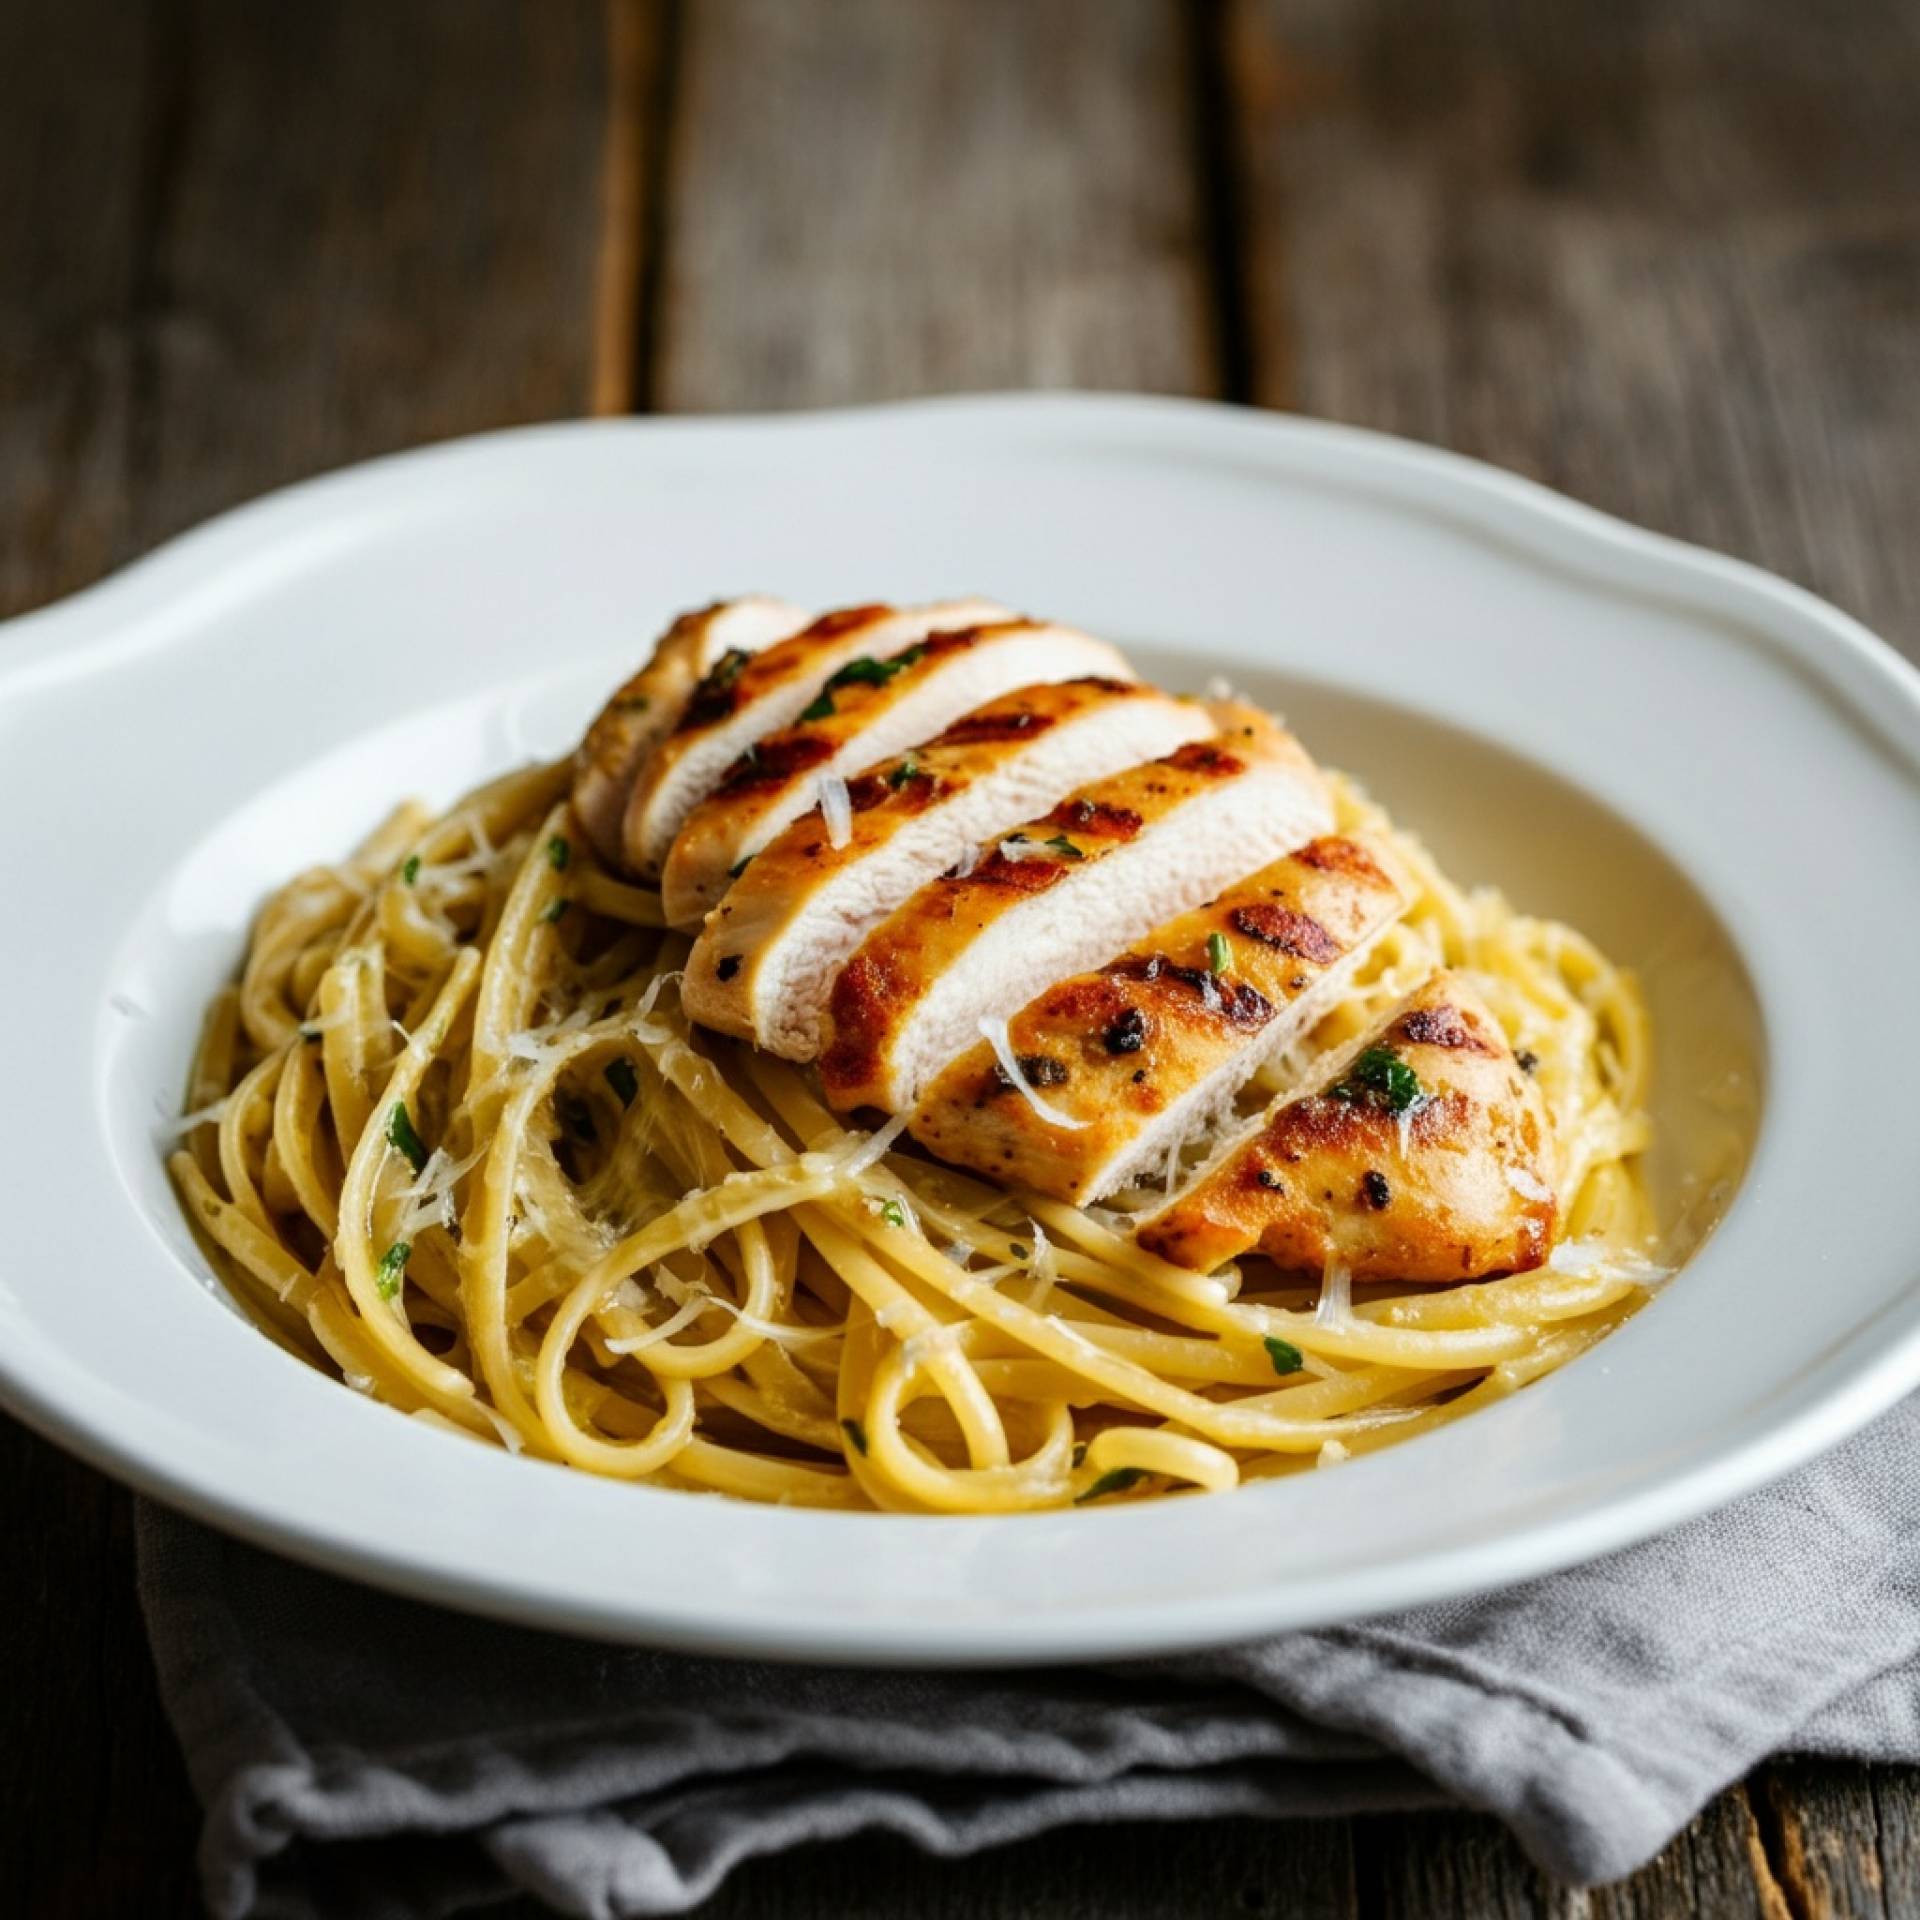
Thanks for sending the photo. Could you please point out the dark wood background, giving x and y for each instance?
(1664, 254)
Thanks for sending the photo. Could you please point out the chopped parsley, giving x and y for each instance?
(1079, 1452)
(392, 1269)
(1286, 1357)
(620, 1076)
(1218, 952)
(1526, 1060)
(894, 1214)
(402, 1138)
(410, 868)
(908, 769)
(1018, 1251)
(1065, 848)
(1118, 1481)
(869, 672)
(726, 670)
(1379, 1078)
(558, 853)
(820, 709)
(856, 1435)
(554, 908)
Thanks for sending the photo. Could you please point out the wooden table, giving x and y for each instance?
(1665, 257)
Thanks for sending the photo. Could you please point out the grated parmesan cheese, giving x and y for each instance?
(1336, 1296)
(836, 809)
(995, 1034)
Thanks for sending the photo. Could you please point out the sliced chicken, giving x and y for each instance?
(763, 967)
(1126, 1063)
(746, 696)
(868, 711)
(1422, 1154)
(1065, 893)
(646, 709)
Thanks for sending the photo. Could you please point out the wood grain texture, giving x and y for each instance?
(1665, 256)
(373, 226)
(869, 199)
(242, 244)
(1847, 1838)
(73, 86)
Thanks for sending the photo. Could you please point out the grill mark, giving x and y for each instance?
(1291, 932)
(1333, 854)
(1443, 1026)
(773, 763)
(1013, 876)
(1206, 758)
(1235, 1001)
(1095, 816)
(830, 626)
(993, 723)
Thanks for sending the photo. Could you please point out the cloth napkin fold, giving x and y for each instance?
(364, 1755)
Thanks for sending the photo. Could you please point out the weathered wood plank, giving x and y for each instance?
(1846, 1839)
(1463, 1864)
(245, 243)
(1664, 257)
(1896, 1805)
(874, 199)
(74, 83)
(376, 226)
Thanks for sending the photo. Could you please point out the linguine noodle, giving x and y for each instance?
(451, 1138)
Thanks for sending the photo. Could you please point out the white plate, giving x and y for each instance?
(175, 741)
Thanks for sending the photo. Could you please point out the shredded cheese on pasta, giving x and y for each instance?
(656, 1255)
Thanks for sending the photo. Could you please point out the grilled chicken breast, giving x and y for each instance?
(1127, 1062)
(745, 695)
(1065, 893)
(1424, 1154)
(645, 710)
(768, 957)
(870, 709)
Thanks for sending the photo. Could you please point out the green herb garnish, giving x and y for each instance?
(1286, 1357)
(554, 908)
(908, 769)
(1079, 1452)
(625, 1083)
(894, 1214)
(1065, 848)
(1379, 1078)
(857, 1434)
(1118, 1481)
(410, 868)
(820, 709)
(869, 672)
(1019, 1252)
(392, 1269)
(402, 1138)
(558, 853)
(1218, 953)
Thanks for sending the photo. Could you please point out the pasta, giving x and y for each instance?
(452, 1139)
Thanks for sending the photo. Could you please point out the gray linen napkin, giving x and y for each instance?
(358, 1754)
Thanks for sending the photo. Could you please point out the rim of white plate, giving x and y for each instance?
(162, 598)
